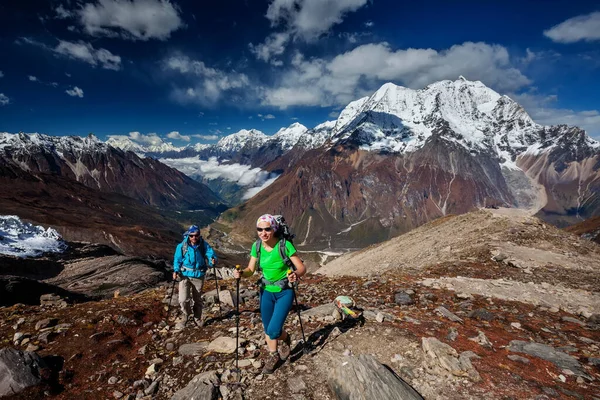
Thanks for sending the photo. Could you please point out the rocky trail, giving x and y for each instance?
(445, 344)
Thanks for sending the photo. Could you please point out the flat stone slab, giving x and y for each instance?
(548, 353)
(193, 349)
(363, 378)
(323, 310)
(223, 344)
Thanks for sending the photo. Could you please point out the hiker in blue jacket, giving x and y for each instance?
(192, 258)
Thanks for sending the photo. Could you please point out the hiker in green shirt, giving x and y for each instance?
(276, 296)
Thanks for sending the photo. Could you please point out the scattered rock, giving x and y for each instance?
(403, 299)
(481, 314)
(45, 323)
(482, 340)
(442, 355)
(452, 334)
(296, 384)
(573, 320)
(444, 312)
(52, 300)
(223, 344)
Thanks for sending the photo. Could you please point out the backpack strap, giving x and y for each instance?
(286, 260)
(185, 246)
(257, 247)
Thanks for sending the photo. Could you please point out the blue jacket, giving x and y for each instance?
(191, 264)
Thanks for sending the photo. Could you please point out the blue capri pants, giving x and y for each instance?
(274, 308)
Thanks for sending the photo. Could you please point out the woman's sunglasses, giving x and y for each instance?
(194, 235)
(264, 229)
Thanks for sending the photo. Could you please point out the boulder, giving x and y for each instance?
(203, 386)
(444, 356)
(223, 344)
(19, 370)
(364, 378)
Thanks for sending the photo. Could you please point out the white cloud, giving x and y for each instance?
(151, 139)
(304, 20)
(32, 78)
(1, 74)
(205, 137)
(334, 114)
(4, 100)
(177, 136)
(308, 19)
(254, 179)
(264, 117)
(62, 13)
(75, 92)
(274, 45)
(208, 85)
(358, 72)
(369, 24)
(582, 27)
(131, 19)
(543, 110)
(81, 51)
(85, 52)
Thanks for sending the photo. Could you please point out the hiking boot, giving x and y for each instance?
(285, 347)
(271, 363)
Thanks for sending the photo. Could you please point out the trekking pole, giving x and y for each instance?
(237, 318)
(170, 299)
(294, 286)
(217, 286)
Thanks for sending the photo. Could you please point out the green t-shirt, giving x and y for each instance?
(272, 265)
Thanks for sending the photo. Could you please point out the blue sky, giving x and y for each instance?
(194, 71)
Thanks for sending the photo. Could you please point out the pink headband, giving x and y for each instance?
(268, 218)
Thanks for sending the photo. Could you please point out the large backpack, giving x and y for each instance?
(286, 235)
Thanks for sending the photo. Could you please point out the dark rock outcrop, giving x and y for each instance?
(19, 370)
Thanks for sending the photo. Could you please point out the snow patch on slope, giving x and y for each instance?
(23, 240)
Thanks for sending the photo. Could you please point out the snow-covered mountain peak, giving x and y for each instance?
(33, 142)
(234, 142)
(157, 145)
(22, 239)
(288, 137)
(396, 118)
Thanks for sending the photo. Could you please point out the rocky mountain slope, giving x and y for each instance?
(401, 157)
(486, 305)
(105, 168)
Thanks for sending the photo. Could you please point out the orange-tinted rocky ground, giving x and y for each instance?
(110, 344)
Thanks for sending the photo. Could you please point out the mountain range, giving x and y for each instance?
(403, 157)
(91, 191)
(390, 162)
